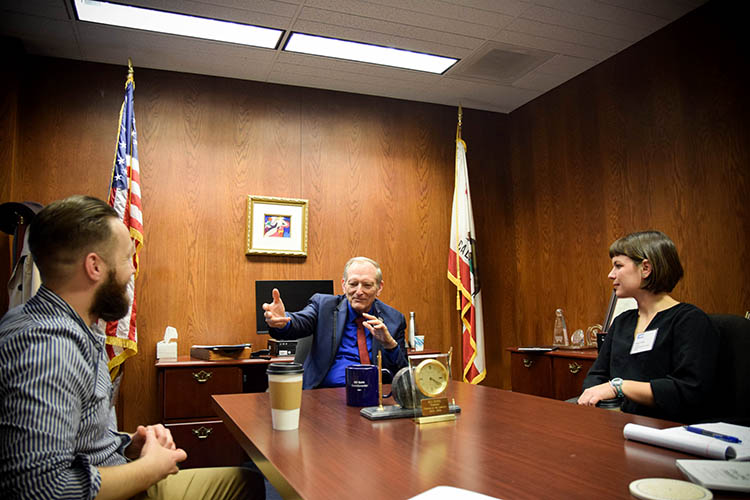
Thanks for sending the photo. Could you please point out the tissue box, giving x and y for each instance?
(282, 347)
(166, 350)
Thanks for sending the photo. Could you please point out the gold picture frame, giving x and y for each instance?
(276, 226)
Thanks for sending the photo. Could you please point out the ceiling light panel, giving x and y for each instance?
(362, 52)
(176, 24)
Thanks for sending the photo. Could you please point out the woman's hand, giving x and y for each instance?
(597, 393)
(637, 392)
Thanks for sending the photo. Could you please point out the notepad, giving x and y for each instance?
(677, 438)
(717, 474)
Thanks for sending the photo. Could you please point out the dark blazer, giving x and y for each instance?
(324, 318)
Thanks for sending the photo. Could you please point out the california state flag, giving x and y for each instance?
(462, 272)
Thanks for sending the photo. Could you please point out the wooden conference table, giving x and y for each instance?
(503, 444)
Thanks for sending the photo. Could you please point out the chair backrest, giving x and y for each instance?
(303, 349)
(733, 373)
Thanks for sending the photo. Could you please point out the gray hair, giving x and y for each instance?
(378, 272)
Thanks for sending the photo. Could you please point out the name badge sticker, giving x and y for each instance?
(644, 341)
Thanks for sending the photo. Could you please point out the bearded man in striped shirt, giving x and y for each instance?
(58, 437)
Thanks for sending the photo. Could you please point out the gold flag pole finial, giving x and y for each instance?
(460, 120)
(131, 72)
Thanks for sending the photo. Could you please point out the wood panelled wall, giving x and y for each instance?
(656, 137)
(378, 174)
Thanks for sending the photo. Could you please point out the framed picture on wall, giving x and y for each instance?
(276, 226)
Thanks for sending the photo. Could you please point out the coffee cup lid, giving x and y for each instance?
(284, 368)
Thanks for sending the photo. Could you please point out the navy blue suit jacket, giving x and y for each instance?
(324, 318)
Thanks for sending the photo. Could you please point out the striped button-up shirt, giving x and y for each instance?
(56, 420)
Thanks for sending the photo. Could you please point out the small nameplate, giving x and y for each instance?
(434, 406)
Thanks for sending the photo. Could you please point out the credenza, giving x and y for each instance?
(185, 389)
(555, 374)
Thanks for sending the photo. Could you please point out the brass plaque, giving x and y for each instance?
(434, 406)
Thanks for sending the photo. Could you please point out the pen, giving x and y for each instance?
(723, 437)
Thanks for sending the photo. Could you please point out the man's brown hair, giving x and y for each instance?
(66, 230)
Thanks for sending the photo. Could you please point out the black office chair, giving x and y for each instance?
(733, 373)
(303, 349)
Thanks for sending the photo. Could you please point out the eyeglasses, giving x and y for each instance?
(365, 285)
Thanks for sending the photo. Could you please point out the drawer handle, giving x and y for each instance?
(574, 367)
(202, 376)
(527, 362)
(202, 432)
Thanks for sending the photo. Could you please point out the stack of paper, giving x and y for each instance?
(717, 475)
(678, 438)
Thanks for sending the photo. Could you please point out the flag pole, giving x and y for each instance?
(455, 183)
(458, 258)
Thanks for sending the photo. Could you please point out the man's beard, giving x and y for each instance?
(111, 301)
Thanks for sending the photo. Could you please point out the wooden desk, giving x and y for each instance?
(185, 389)
(556, 374)
(503, 444)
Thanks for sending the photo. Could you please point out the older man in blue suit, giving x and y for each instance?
(347, 329)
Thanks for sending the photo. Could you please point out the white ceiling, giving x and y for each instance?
(510, 51)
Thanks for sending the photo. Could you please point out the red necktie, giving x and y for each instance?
(364, 356)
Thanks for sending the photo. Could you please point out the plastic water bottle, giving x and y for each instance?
(412, 330)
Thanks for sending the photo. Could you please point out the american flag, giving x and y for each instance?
(462, 270)
(125, 198)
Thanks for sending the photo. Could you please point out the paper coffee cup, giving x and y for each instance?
(285, 387)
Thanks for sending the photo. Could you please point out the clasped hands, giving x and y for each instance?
(154, 442)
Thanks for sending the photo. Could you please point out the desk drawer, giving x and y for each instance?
(531, 373)
(187, 391)
(207, 444)
(568, 375)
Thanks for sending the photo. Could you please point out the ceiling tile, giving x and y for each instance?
(435, 15)
(667, 10)
(536, 80)
(366, 27)
(566, 66)
(50, 9)
(388, 40)
(563, 34)
(550, 45)
(588, 24)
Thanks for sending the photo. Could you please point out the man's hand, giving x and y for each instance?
(275, 313)
(597, 393)
(138, 439)
(161, 458)
(379, 331)
(157, 459)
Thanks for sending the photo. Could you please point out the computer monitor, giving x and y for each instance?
(294, 293)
